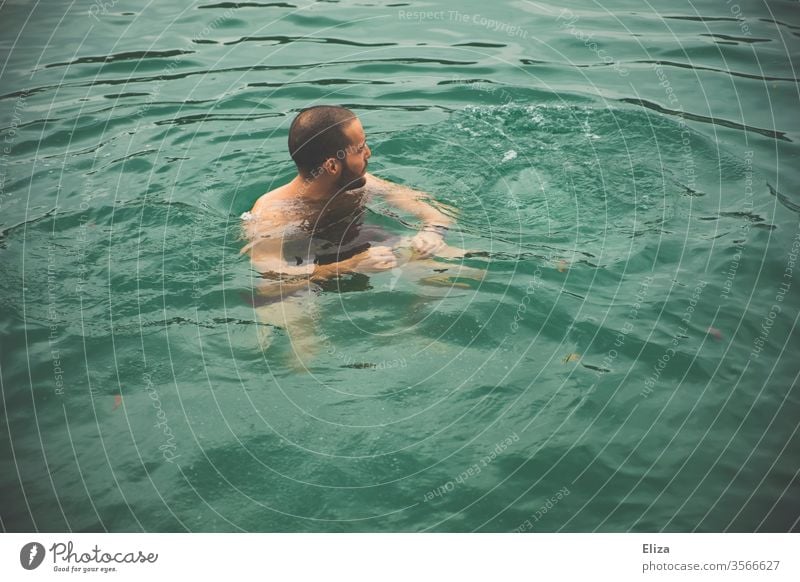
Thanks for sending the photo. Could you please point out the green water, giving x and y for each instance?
(627, 173)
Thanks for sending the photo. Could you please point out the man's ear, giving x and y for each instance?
(331, 166)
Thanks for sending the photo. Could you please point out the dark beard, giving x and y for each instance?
(350, 181)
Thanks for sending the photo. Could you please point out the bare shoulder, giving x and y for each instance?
(377, 185)
(278, 207)
(274, 216)
(270, 201)
(373, 182)
(262, 225)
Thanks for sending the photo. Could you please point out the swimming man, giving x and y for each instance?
(312, 229)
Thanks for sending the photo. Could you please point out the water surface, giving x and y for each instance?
(626, 173)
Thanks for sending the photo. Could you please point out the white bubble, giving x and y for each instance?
(509, 155)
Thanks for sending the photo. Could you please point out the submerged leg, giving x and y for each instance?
(448, 275)
(301, 314)
(297, 314)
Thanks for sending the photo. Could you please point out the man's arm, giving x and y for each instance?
(435, 224)
(265, 232)
(408, 200)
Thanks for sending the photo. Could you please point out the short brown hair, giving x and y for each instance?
(316, 134)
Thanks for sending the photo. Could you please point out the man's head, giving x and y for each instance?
(330, 140)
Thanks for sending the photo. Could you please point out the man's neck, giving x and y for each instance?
(310, 189)
(314, 190)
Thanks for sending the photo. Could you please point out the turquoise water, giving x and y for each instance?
(625, 172)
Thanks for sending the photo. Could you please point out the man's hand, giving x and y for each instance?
(374, 259)
(426, 243)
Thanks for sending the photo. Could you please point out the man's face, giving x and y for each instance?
(354, 164)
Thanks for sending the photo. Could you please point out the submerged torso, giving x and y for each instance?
(320, 232)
